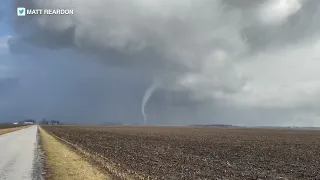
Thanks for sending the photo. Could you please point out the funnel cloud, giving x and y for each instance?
(146, 97)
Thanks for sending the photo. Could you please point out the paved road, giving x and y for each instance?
(17, 153)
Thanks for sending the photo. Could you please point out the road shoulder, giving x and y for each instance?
(63, 163)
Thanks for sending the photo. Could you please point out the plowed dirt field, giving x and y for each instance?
(199, 152)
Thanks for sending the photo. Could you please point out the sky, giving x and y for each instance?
(162, 62)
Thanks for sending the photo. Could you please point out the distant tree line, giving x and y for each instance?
(32, 121)
(50, 122)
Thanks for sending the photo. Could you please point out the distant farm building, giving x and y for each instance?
(29, 122)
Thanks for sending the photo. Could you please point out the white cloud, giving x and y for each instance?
(275, 12)
(287, 77)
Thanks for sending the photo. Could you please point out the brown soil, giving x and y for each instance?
(201, 152)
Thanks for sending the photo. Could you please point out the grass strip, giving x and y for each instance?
(63, 163)
(8, 130)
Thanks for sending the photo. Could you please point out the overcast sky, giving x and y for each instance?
(173, 62)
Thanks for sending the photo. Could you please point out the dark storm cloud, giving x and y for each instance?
(72, 90)
(97, 64)
(160, 45)
(8, 85)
